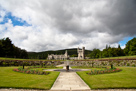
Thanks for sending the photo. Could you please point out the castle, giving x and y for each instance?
(65, 56)
(81, 53)
(58, 57)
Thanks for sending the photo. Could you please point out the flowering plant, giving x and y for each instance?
(95, 72)
(29, 71)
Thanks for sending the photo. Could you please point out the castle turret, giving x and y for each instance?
(81, 53)
(66, 54)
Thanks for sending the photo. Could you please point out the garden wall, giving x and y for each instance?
(94, 63)
(29, 63)
(97, 63)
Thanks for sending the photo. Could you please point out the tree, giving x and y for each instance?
(112, 52)
(95, 53)
(105, 52)
(130, 48)
(119, 51)
(7, 49)
(74, 55)
(1, 49)
(23, 54)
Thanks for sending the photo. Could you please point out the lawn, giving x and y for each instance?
(11, 79)
(124, 79)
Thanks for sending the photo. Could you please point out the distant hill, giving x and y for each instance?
(43, 55)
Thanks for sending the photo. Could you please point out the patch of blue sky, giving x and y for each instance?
(15, 20)
(125, 40)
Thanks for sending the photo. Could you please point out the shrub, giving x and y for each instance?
(128, 64)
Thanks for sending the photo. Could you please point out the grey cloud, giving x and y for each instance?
(73, 23)
(115, 17)
(121, 18)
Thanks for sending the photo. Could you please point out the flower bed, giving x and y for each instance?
(95, 72)
(29, 71)
(51, 66)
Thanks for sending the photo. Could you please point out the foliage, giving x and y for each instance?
(88, 67)
(112, 52)
(130, 48)
(29, 71)
(47, 66)
(74, 55)
(95, 72)
(95, 53)
(7, 49)
(107, 52)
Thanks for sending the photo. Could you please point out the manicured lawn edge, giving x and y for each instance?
(8, 78)
(121, 84)
(84, 79)
(22, 88)
(55, 80)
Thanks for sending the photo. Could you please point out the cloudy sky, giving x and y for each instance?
(40, 25)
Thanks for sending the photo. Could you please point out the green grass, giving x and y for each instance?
(124, 79)
(121, 57)
(11, 79)
(3, 58)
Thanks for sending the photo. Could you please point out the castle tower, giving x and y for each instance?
(66, 55)
(81, 52)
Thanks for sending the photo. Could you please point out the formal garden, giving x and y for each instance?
(106, 74)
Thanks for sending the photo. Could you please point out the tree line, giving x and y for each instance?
(7, 49)
(130, 49)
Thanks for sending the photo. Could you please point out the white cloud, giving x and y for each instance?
(62, 24)
(122, 47)
(2, 14)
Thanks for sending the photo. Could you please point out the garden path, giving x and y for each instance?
(69, 81)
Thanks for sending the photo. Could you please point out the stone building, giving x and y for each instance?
(58, 57)
(81, 55)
